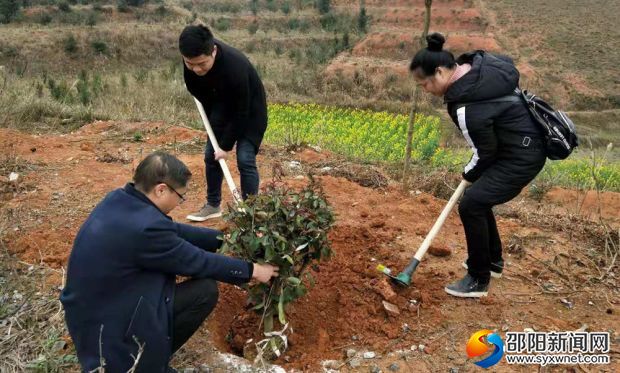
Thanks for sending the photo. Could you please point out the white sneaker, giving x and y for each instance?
(496, 268)
(206, 212)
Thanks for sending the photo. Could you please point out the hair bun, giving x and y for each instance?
(435, 42)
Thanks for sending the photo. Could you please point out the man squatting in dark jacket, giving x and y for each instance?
(121, 287)
(229, 88)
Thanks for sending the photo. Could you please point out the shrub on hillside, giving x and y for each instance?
(222, 24)
(59, 91)
(123, 80)
(323, 6)
(286, 7)
(8, 10)
(253, 27)
(91, 19)
(293, 23)
(278, 49)
(362, 20)
(161, 10)
(329, 21)
(64, 6)
(70, 44)
(83, 90)
(271, 5)
(250, 46)
(44, 18)
(122, 6)
(136, 3)
(304, 25)
(187, 4)
(100, 46)
(141, 75)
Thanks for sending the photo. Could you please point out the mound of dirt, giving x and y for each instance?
(364, 175)
(439, 250)
(342, 304)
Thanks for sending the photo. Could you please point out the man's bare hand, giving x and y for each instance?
(221, 154)
(264, 272)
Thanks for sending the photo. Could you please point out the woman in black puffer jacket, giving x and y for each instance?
(507, 146)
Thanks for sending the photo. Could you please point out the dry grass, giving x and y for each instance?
(32, 325)
(364, 175)
(567, 42)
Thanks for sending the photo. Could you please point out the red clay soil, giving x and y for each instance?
(344, 309)
(347, 66)
(586, 203)
(445, 19)
(390, 43)
(457, 43)
(400, 45)
(346, 300)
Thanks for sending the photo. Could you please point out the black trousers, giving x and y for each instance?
(500, 183)
(484, 245)
(194, 300)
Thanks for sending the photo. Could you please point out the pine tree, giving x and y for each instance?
(8, 10)
(324, 6)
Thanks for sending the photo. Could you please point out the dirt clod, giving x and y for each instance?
(391, 309)
(437, 250)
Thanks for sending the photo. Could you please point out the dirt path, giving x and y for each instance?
(551, 281)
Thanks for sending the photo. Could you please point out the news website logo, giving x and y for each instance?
(480, 343)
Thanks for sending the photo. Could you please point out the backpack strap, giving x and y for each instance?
(516, 96)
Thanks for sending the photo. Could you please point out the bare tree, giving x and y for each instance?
(416, 95)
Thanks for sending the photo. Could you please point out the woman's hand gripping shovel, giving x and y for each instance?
(229, 180)
(404, 278)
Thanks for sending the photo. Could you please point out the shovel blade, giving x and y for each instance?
(401, 280)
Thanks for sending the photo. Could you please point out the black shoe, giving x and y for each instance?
(496, 268)
(468, 287)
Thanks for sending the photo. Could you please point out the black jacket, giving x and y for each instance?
(494, 130)
(121, 280)
(233, 97)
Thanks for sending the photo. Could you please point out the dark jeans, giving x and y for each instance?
(246, 163)
(193, 301)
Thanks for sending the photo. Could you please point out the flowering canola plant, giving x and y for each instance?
(381, 137)
(360, 134)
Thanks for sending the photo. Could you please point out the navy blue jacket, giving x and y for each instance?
(121, 280)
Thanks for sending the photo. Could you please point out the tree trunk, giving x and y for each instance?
(416, 95)
(412, 115)
(427, 18)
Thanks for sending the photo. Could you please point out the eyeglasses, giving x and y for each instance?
(181, 196)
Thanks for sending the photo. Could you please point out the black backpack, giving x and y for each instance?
(558, 129)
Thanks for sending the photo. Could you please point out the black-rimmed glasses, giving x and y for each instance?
(181, 196)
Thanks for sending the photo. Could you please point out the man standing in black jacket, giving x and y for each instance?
(229, 88)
